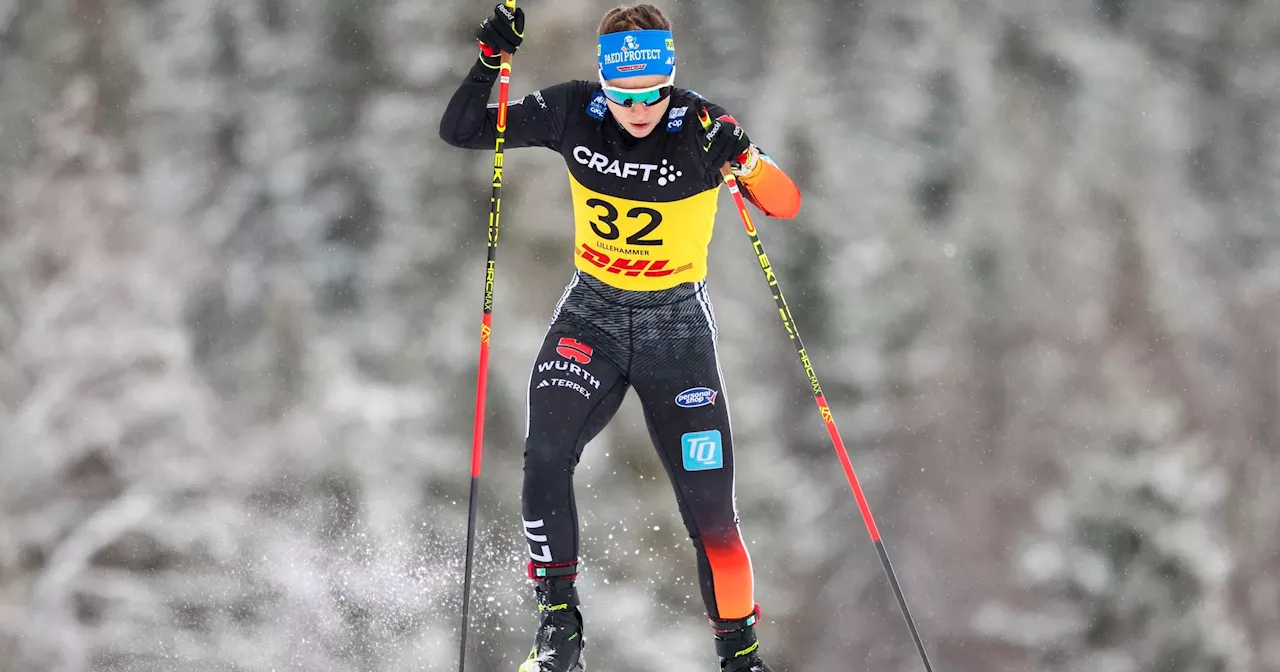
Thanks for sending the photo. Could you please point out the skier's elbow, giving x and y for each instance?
(773, 191)
(449, 133)
(788, 209)
(458, 130)
(782, 201)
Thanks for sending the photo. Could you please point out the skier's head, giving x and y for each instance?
(637, 66)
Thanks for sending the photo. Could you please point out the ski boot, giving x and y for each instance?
(736, 644)
(557, 647)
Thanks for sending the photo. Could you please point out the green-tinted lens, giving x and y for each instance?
(629, 98)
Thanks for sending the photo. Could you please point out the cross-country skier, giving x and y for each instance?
(644, 176)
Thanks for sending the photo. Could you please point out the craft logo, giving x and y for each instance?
(572, 349)
(702, 450)
(696, 396)
(666, 173)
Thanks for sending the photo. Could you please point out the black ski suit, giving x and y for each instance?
(636, 314)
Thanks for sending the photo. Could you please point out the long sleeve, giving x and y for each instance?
(771, 190)
(536, 120)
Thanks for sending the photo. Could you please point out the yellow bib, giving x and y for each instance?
(639, 245)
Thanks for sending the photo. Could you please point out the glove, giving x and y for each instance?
(723, 141)
(504, 31)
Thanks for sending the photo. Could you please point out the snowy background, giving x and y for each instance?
(1038, 273)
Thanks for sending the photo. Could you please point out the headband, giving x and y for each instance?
(637, 52)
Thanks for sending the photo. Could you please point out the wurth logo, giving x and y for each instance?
(571, 369)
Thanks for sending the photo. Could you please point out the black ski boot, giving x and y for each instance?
(737, 646)
(557, 647)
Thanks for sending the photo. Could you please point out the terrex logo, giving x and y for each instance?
(600, 163)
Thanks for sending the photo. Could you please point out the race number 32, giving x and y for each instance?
(607, 225)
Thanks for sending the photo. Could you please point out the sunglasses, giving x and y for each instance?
(630, 97)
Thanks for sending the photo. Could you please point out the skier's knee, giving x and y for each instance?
(547, 459)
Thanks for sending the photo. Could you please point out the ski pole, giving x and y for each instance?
(823, 408)
(486, 327)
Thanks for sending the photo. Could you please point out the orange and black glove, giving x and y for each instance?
(764, 184)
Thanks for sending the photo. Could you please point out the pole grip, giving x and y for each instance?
(511, 5)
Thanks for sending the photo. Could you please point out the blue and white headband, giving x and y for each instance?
(637, 52)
